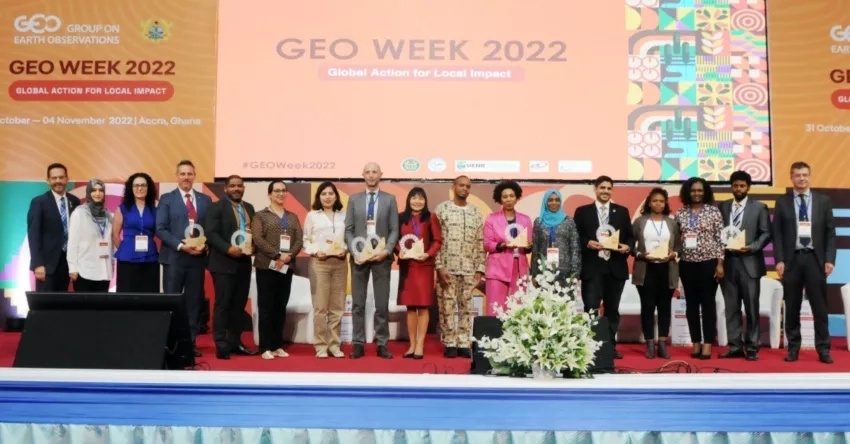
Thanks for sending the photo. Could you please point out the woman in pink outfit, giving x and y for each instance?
(505, 264)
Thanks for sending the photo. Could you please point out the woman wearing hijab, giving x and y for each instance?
(555, 240)
(90, 260)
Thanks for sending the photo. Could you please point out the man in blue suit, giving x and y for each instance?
(183, 265)
(47, 231)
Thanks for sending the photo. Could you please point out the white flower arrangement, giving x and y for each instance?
(542, 331)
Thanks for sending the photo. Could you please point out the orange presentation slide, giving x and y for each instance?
(428, 89)
(107, 87)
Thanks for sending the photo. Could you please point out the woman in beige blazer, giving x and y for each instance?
(656, 272)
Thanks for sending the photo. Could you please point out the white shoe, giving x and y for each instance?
(279, 353)
(322, 354)
(268, 355)
(337, 353)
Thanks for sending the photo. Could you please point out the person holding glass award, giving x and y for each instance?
(746, 234)
(420, 241)
(656, 273)
(507, 241)
(90, 260)
(324, 241)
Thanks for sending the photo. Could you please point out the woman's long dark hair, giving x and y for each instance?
(424, 216)
(129, 200)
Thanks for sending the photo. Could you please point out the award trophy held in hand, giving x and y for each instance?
(521, 239)
(243, 240)
(733, 238)
(190, 239)
(416, 249)
(660, 252)
(608, 236)
(364, 249)
(327, 244)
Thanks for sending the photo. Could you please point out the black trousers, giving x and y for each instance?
(189, 281)
(83, 285)
(738, 287)
(231, 295)
(137, 277)
(273, 290)
(57, 281)
(700, 290)
(655, 294)
(804, 272)
(604, 289)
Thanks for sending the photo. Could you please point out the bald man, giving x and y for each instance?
(371, 213)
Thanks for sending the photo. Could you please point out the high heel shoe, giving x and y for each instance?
(650, 349)
(408, 355)
(705, 355)
(415, 356)
(696, 354)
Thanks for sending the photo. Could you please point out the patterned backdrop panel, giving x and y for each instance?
(697, 89)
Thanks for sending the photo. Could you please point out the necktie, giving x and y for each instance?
(190, 207)
(64, 214)
(803, 216)
(603, 216)
(371, 215)
(737, 219)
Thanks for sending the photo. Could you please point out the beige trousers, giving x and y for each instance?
(328, 280)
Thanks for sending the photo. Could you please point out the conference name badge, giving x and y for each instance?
(552, 256)
(281, 270)
(284, 243)
(804, 229)
(371, 228)
(141, 244)
(103, 250)
(690, 241)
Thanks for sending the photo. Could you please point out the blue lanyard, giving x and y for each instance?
(242, 220)
(142, 219)
(100, 227)
(416, 227)
(693, 219)
(659, 229)
(551, 236)
(607, 216)
(803, 204)
(284, 222)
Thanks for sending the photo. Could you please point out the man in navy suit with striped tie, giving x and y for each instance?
(47, 231)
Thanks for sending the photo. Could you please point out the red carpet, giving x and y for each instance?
(302, 360)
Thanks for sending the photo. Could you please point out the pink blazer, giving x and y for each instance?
(500, 265)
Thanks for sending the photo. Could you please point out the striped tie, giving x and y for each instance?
(64, 214)
(738, 213)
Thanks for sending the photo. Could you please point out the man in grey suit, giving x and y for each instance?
(372, 212)
(183, 265)
(744, 268)
(804, 248)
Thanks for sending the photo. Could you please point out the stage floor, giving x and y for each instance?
(302, 359)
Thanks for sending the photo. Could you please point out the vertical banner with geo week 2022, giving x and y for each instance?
(107, 87)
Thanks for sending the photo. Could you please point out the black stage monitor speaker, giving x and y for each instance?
(490, 326)
(117, 331)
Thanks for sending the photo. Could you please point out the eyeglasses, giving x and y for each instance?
(140, 185)
(278, 191)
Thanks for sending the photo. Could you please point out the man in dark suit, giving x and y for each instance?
(804, 248)
(744, 268)
(604, 272)
(372, 213)
(47, 231)
(183, 265)
(228, 223)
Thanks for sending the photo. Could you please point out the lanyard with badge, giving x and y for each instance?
(552, 253)
(141, 240)
(659, 230)
(102, 244)
(285, 240)
(804, 225)
(691, 235)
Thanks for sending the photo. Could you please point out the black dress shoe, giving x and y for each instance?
(222, 355)
(752, 356)
(825, 358)
(357, 353)
(464, 352)
(792, 356)
(732, 354)
(618, 355)
(243, 350)
(384, 353)
(408, 356)
(418, 356)
(451, 352)
(662, 350)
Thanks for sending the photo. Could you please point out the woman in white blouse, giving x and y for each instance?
(324, 230)
(90, 259)
(656, 273)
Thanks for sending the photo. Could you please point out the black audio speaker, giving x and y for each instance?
(116, 331)
(491, 326)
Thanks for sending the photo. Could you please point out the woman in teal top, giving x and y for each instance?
(555, 240)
